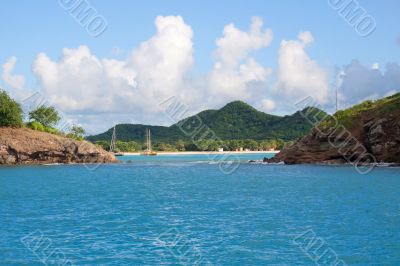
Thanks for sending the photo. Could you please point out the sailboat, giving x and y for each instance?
(148, 151)
(113, 144)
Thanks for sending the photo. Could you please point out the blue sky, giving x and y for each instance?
(43, 26)
(30, 28)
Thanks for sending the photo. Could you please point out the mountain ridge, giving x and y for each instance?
(235, 120)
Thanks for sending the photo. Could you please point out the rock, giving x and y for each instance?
(26, 146)
(377, 149)
(373, 137)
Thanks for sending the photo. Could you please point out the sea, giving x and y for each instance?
(199, 210)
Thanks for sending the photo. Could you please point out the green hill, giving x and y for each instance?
(235, 121)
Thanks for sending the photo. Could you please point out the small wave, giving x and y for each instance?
(199, 162)
(224, 162)
(387, 165)
(265, 163)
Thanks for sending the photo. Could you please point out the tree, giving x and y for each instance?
(161, 146)
(213, 145)
(191, 147)
(10, 111)
(180, 145)
(47, 116)
(78, 131)
(234, 144)
(104, 144)
(280, 144)
(251, 144)
(268, 144)
(202, 145)
(128, 146)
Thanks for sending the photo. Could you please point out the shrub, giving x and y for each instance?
(72, 136)
(10, 111)
(35, 126)
(51, 130)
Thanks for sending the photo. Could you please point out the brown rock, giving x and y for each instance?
(373, 134)
(26, 146)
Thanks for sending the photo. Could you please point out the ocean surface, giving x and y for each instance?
(188, 210)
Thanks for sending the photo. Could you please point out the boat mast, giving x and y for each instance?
(113, 140)
(149, 141)
(148, 150)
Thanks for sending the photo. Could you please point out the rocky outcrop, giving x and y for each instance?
(26, 146)
(372, 137)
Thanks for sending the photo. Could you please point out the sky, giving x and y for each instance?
(126, 57)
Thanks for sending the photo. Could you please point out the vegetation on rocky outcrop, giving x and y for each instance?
(365, 133)
(10, 111)
(39, 141)
(42, 118)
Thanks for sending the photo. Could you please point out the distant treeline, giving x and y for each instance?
(235, 121)
(204, 145)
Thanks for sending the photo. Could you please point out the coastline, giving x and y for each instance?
(202, 152)
(24, 146)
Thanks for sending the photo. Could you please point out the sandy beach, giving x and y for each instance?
(203, 152)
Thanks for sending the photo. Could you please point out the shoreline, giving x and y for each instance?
(202, 152)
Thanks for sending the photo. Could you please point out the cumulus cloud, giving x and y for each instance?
(99, 92)
(80, 82)
(306, 37)
(358, 82)
(236, 74)
(299, 76)
(15, 82)
(162, 63)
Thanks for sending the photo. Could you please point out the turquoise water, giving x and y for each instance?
(182, 210)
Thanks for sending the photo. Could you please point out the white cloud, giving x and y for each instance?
(235, 44)
(15, 82)
(298, 76)
(268, 105)
(163, 62)
(236, 74)
(99, 92)
(358, 82)
(80, 82)
(306, 37)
